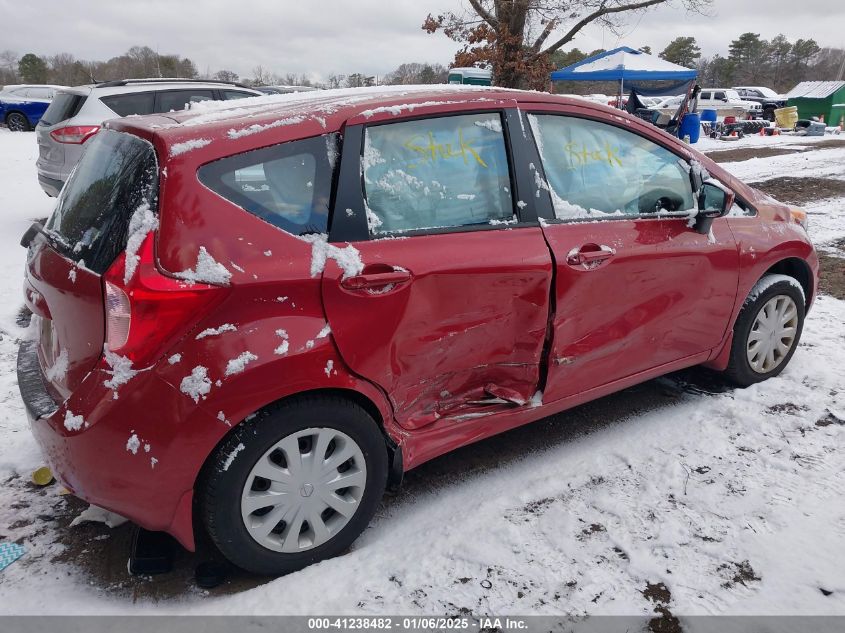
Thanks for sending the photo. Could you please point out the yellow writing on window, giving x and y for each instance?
(430, 151)
(580, 155)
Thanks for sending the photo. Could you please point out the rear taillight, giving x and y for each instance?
(76, 134)
(149, 313)
(118, 316)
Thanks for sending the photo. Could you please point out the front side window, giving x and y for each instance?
(444, 172)
(595, 170)
(287, 185)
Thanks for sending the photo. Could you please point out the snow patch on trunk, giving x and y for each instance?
(73, 422)
(59, 369)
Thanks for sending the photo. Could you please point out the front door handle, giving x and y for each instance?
(589, 255)
(369, 281)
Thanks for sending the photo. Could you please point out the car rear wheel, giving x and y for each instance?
(295, 485)
(17, 122)
(767, 330)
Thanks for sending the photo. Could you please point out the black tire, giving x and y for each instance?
(739, 370)
(769, 114)
(17, 122)
(220, 487)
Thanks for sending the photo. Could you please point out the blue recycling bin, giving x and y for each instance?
(690, 126)
(708, 115)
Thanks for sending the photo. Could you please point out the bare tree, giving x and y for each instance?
(517, 37)
(8, 67)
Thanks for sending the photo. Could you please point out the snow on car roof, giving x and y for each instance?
(282, 117)
(251, 115)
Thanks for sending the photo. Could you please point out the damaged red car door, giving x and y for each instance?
(448, 308)
(637, 286)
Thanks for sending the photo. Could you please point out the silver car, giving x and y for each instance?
(76, 114)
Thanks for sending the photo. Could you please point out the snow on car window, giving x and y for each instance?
(593, 169)
(287, 185)
(435, 173)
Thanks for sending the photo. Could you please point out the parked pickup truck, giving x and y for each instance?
(768, 99)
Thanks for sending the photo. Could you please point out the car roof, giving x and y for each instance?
(330, 107)
(214, 129)
(153, 86)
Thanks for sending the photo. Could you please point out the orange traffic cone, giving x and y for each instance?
(762, 131)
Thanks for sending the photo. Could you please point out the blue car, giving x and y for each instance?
(21, 106)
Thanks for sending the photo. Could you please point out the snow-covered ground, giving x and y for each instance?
(733, 500)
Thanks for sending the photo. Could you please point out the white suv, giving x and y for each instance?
(76, 114)
(726, 99)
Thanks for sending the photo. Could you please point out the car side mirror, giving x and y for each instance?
(714, 201)
(725, 99)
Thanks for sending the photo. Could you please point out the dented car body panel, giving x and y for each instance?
(446, 335)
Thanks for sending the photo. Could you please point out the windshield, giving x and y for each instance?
(733, 95)
(117, 174)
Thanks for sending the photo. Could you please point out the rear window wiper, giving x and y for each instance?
(35, 228)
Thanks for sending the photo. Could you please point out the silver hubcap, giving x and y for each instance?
(772, 334)
(304, 490)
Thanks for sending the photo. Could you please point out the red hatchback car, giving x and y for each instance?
(250, 321)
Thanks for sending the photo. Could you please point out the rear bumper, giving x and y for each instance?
(51, 186)
(153, 486)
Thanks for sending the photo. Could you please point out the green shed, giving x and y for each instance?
(819, 99)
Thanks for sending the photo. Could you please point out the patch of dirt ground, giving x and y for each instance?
(744, 153)
(832, 272)
(791, 190)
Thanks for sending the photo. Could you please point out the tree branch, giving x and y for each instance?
(484, 13)
(602, 11)
(550, 26)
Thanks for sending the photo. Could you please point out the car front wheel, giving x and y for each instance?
(16, 122)
(295, 485)
(767, 330)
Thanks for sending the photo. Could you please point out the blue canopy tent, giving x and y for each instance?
(627, 65)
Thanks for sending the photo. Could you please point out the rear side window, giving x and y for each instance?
(595, 170)
(287, 185)
(179, 99)
(433, 173)
(130, 103)
(63, 107)
(117, 174)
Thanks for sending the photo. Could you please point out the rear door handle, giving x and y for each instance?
(375, 280)
(589, 255)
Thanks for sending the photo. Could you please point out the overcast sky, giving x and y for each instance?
(320, 37)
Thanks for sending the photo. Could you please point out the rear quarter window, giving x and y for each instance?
(63, 107)
(286, 185)
(117, 174)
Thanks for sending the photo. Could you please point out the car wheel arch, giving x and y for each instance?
(394, 452)
(799, 270)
